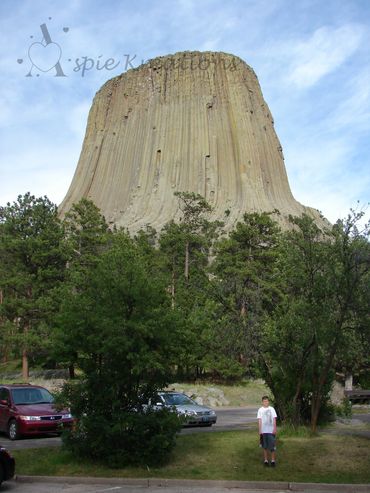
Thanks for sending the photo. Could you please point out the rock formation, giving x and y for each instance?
(192, 122)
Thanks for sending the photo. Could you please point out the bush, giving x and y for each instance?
(344, 410)
(131, 438)
(364, 380)
(122, 334)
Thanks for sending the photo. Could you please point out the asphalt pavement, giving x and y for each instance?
(100, 485)
(50, 487)
(227, 419)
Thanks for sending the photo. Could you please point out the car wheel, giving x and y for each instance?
(13, 432)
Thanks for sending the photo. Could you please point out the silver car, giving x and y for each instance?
(193, 413)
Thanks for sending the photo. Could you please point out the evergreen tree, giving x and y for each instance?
(32, 266)
(186, 249)
(123, 335)
(86, 237)
(244, 289)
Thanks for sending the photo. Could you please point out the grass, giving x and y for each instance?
(229, 456)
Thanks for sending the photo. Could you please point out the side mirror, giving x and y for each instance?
(4, 402)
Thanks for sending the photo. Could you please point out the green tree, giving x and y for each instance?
(124, 336)
(323, 277)
(245, 289)
(86, 237)
(194, 222)
(186, 248)
(32, 266)
(86, 234)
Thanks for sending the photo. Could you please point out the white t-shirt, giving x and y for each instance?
(267, 415)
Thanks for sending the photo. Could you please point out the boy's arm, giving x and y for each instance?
(260, 426)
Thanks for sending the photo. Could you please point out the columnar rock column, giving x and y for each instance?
(192, 122)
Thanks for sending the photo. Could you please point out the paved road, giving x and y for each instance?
(239, 418)
(227, 419)
(15, 487)
(365, 418)
(73, 485)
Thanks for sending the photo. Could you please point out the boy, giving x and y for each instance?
(267, 429)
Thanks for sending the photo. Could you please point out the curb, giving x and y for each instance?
(192, 483)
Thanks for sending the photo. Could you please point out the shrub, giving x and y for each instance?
(130, 438)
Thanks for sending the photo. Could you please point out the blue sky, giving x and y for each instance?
(312, 59)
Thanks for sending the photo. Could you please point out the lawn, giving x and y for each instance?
(233, 455)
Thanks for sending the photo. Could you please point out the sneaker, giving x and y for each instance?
(272, 464)
(266, 463)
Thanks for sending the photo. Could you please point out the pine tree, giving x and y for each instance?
(32, 266)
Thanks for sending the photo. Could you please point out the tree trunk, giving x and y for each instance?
(71, 371)
(173, 284)
(279, 403)
(5, 349)
(348, 383)
(315, 411)
(296, 418)
(243, 309)
(320, 379)
(186, 273)
(25, 368)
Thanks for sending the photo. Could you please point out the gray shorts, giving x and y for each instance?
(268, 441)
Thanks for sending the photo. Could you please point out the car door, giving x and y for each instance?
(4, 408)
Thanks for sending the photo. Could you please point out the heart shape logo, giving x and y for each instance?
(65, 29)
(44, 57)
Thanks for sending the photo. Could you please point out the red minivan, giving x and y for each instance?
(28, 410)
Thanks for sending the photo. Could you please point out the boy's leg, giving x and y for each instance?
(265, 450)
(273, 453)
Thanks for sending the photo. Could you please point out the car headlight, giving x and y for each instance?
(67, 416)
(212, 412)
(191, 413)
(31, 418)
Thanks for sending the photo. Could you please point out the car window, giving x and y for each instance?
(157, 399)
(31, 395)
(4, 394)
(177, 399)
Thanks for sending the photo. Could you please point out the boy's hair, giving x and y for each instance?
(265, 397)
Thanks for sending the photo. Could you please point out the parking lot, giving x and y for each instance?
(227, 419)
(53, 487)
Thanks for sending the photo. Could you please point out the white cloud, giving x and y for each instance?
(353, 113)
(48, 172)
(322, 53)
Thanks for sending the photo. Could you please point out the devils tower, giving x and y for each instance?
(194, 122)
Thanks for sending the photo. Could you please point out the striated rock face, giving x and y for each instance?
(192, 122)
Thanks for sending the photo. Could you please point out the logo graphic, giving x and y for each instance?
(45, 55)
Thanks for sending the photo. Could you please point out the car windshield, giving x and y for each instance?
(177, 399)
(28, 396)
